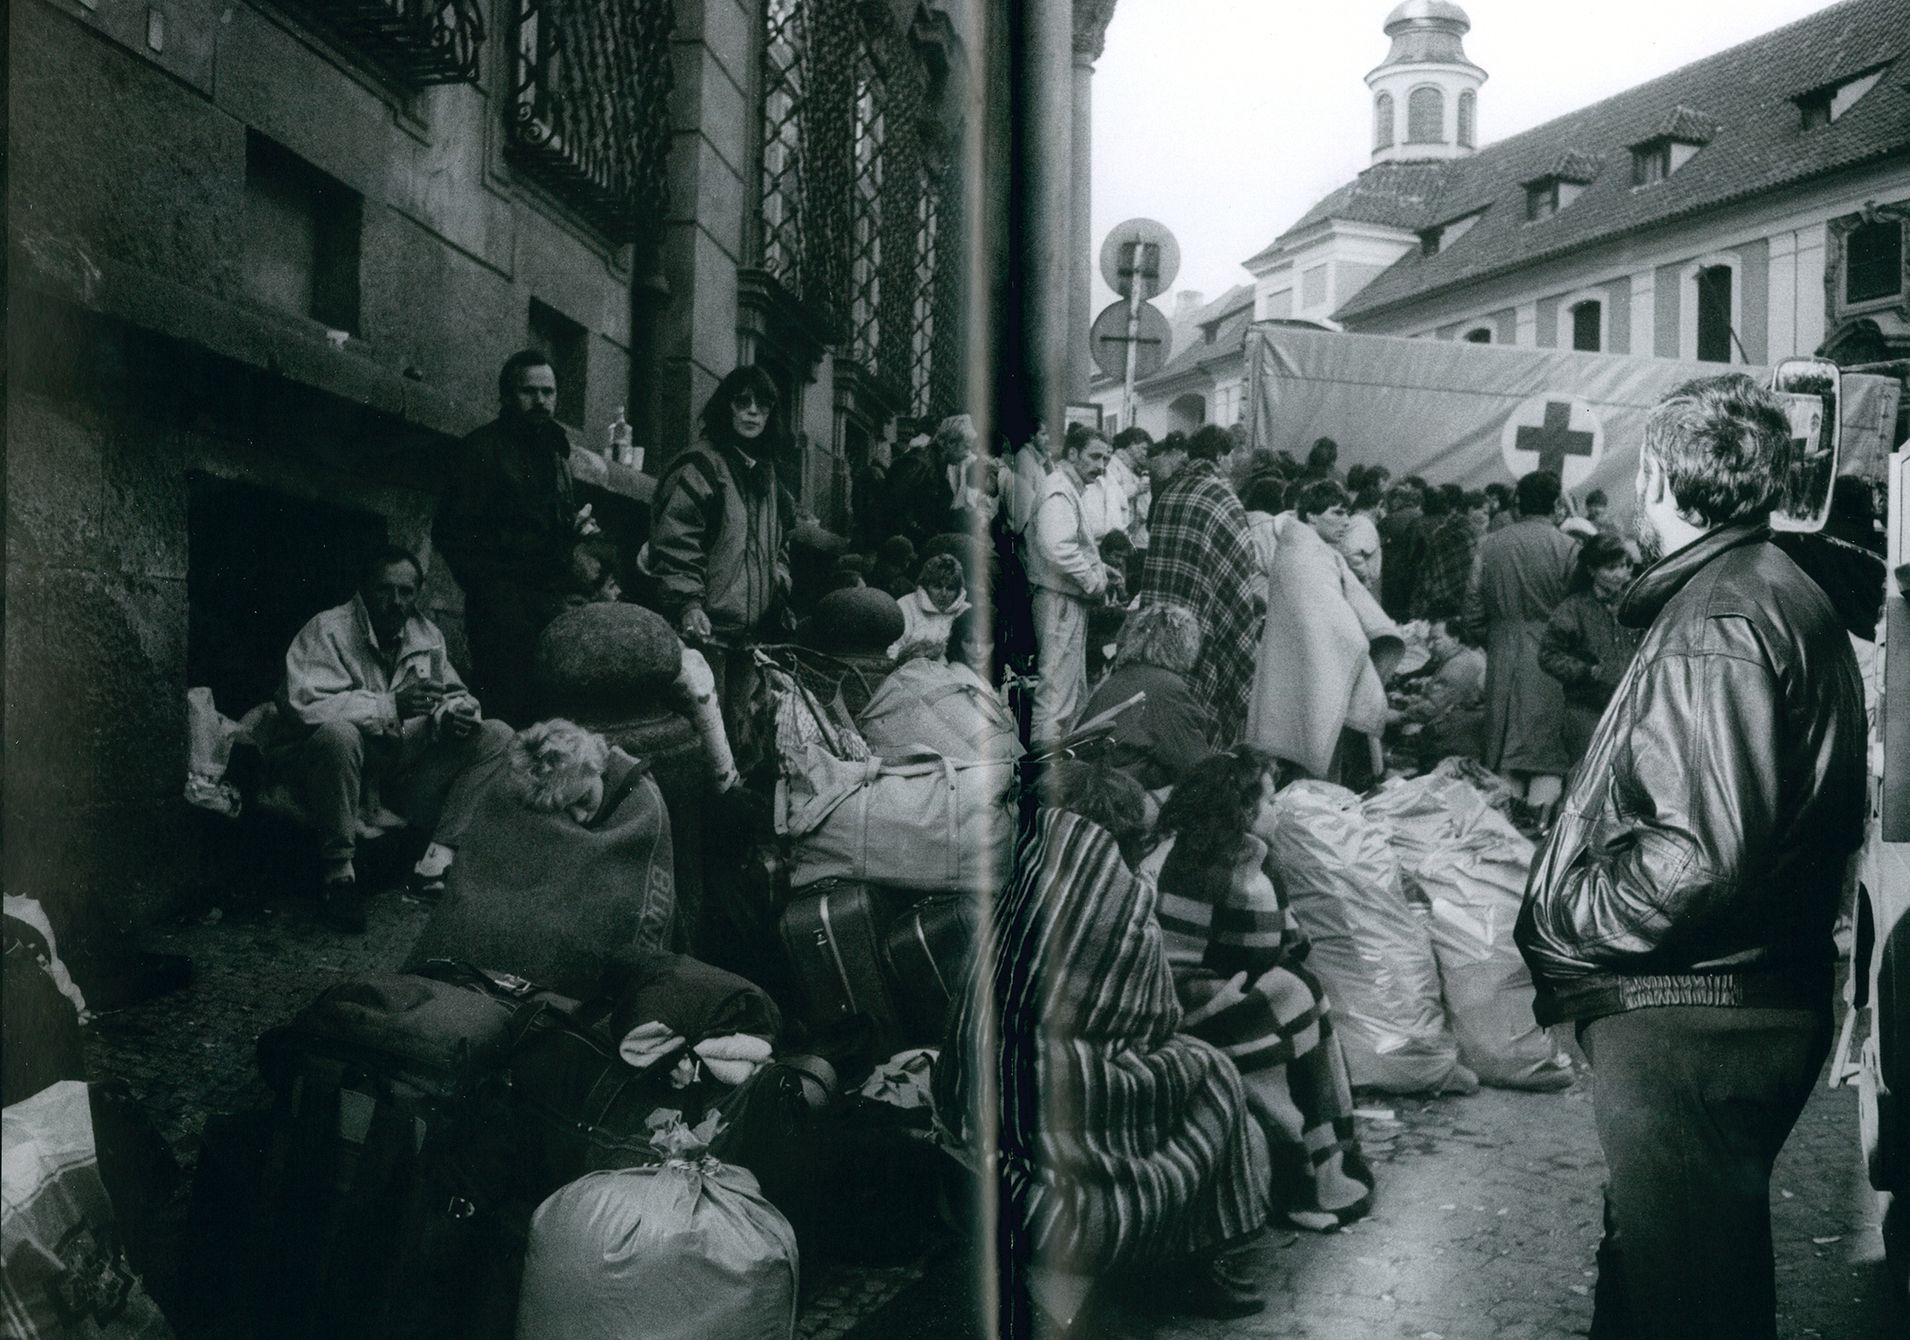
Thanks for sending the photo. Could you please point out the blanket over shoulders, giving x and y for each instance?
(1317, 671)
(565, 904)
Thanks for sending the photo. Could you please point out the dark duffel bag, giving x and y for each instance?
(385, 1190)
(928, 949)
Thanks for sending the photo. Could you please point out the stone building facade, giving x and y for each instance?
(266, 257)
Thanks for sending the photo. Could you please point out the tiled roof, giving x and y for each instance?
(1397, 194)
(1571, 165)
(1757, 144)
(1686, 125)
(1230, 314)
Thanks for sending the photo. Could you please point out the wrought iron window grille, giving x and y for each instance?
(417, 42)
(855, 203)
(589, 107)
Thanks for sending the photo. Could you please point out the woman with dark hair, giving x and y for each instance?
(718, 556)
(1122, 1145)
(1238, 959)
(1584, 646)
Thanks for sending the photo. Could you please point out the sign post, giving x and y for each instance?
(1139, 259)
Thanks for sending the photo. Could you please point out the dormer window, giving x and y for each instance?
(1441, 235)
(1571, 172)
(1674, 143)
(1822, 105)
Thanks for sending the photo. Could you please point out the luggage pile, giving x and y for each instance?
(1409, 899)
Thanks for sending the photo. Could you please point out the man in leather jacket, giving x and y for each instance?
(1680, 913)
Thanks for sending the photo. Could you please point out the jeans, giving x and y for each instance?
(1693, 1104)
(433, 783)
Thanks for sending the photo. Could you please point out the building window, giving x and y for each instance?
(1479, 335)
(1821, 106)
(1873, 261)
(1383, 121)
(1541, 200)
(418, 42)
(1279, 305)
(1313, 288)
(1468, 102)
(1714, 314)
(1429, 241)
(589, 109)
(302, 236)
(1650, 163)
(1588, 321)
(865, 211)
(567, 345)
(1426, 116)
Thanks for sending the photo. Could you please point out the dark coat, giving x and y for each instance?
(1699, 854)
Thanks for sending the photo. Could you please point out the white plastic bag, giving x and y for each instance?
(65, 1273)
(1371, 948)
(679, 1251)
(1474, 883)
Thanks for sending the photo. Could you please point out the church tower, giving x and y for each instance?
(1425, 93)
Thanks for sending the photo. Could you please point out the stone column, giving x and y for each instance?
(1047, 300)
(1090, 28)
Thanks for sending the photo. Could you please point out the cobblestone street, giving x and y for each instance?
(1486, 1225)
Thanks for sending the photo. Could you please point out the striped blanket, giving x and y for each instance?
(1121, 1139)
(1237, 955)
(1201, 555)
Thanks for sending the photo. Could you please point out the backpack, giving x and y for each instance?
(384, 1203)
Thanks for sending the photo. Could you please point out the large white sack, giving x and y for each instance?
(1474, 882)
(681, 1251)
(1370, 947)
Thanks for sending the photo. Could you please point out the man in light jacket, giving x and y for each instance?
(372, 716)
(1066, 572)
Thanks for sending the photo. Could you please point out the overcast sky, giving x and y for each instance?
(1227, 119)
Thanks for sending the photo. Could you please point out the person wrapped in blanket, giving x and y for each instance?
(1238, 959)
(1087, 1025)
(568, 870)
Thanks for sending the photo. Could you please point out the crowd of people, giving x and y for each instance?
(1210, 622)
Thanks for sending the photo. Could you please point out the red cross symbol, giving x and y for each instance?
(1554, 440)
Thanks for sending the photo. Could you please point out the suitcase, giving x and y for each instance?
(833, 937)
(928, 950)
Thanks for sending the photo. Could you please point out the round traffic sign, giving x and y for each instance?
(1108, 341)
(1555, 432)
(1142, 252)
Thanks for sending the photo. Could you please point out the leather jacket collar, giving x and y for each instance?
(1652, 589)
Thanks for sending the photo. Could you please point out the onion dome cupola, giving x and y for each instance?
(1425, 93)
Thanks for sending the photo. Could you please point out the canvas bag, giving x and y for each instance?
(926, 704)
(920, 821)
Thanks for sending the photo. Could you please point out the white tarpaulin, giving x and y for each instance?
(1474, 413)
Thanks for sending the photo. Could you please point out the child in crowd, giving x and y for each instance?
(939, 597)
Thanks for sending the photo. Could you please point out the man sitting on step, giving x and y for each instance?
(372, 717)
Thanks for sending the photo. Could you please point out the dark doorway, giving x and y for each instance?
(260, 564)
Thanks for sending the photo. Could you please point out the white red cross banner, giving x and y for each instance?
(1474, 413)
(1460, 413)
